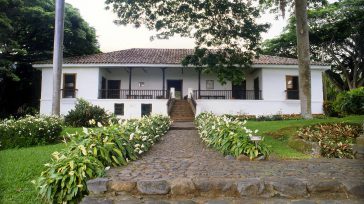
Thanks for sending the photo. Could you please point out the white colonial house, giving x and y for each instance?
(135, 82)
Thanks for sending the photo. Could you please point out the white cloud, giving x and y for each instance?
(112, 37)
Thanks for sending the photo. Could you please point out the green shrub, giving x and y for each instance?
(29, 131)
(329, 109)
(86, 115)
(351, 102)
(229, 136)
(335, 139)
(92, 151)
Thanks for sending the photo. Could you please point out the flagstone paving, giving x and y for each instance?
(180, 164)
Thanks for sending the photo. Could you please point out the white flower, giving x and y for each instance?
(256, 131)
(131, 136)
(107, 168)
(99, 124)
(142, 146)
(140, 152)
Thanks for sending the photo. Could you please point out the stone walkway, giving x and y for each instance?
(181, 164)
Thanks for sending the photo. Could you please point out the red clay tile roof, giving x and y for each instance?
(159, 56)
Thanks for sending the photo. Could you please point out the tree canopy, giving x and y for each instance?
(225, 32)
(26, 35)
(336, 36)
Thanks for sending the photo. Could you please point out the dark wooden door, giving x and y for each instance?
(177, 85)
(113, 88)
(239, 91)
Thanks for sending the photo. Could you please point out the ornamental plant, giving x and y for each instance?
(335, 139)
(229, 136)
(93, 151)
(351, 102)
(30, 131)
(86, 115)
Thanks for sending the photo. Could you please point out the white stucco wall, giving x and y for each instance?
(132, 108)
(272, 82)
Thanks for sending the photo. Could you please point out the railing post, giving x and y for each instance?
(190, 93)
(173, 93)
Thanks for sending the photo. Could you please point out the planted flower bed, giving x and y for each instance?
(335, 140)
(229, 136)
(91, 152)
(29, 131)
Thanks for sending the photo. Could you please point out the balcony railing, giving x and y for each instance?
(69, 93)
(293, 94)
(228, 94)
(132, 94)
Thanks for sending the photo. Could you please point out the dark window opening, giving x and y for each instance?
(292, 87)
(69, 86)
(256, 89)
(113, 89)
(119, 109)
(146, 109)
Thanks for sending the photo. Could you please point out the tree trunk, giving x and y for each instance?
(57, 56)
(303, 49)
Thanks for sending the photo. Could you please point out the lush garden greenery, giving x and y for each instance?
(229, 136)
(92, 151)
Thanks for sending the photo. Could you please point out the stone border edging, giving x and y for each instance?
(288, 187)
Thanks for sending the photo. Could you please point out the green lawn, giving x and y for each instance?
(18, 167)
(288, 127)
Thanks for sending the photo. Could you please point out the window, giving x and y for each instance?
(209, 84)
(141, 84)
(119, 109)
(292, 87)
(146, 109)
(69, 86)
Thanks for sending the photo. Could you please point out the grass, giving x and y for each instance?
(277, 132)
(18, 167)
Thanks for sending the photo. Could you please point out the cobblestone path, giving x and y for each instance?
(181, 167)
(182, 154)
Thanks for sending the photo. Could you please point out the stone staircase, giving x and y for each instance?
(182, 112)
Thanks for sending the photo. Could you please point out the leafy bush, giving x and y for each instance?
(86, 115)
(229, 136)
(92, 151)
(351, 102)
(29, 131)
(335, 139)
(329, 109)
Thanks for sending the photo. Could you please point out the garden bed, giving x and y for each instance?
(91, 152)
(330, 140)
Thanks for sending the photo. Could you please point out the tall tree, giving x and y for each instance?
(336, 36)
(225, 32)
(303, 44)
(26, 35)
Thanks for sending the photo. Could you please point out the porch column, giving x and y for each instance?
(130, 70)
(163, 81)
(199, 83)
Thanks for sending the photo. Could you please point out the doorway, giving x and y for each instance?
(239, 91)
(113, 88)
(177, 85)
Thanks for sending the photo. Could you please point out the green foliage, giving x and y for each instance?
(229, 27)
(29, 131)
(329, 109)
(335, 139)
(26, 36)
(351, 102)
(336, 35)
(228, 136)
(86, 115)
(92, 151)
